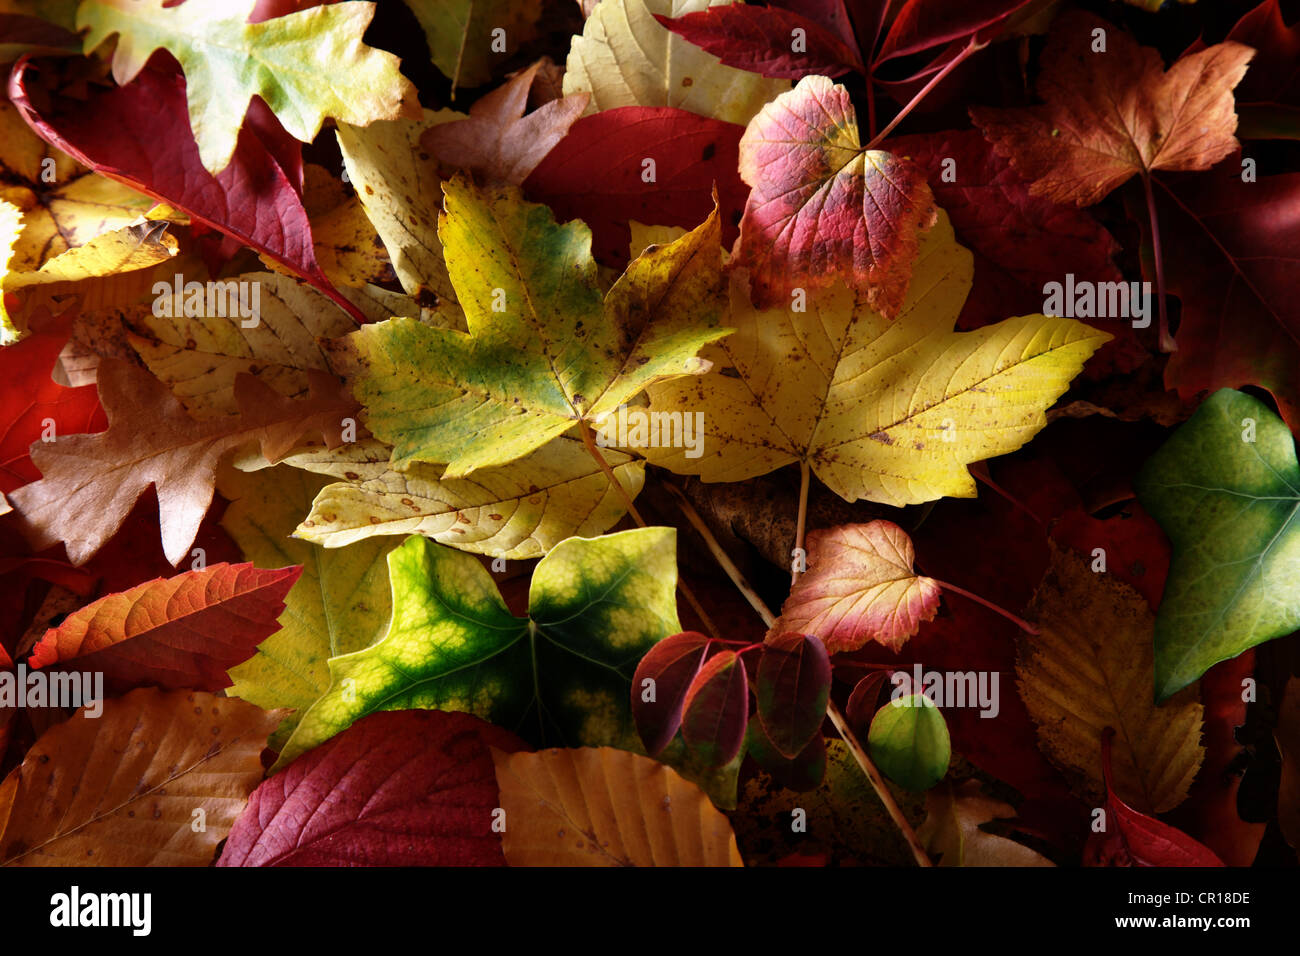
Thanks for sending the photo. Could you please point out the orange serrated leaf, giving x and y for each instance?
(180, 632)
(1112, 112)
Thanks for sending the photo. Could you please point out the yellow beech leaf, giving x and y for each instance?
(890, 410)
(1092, 667)
(597, 806)
(118, 783)
(625, 57)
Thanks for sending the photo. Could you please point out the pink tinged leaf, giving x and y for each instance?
(761, 40)
(1135, 839)
(860, 587)
(179, 632)
(822, 209)
(671, 665)
(598, 173)
(793, 684)
(398, 788)
(139, 135)
(717, 709)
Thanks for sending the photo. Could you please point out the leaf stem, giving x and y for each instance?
(832, 709)
(1019, 622)
(1167, 343)
(589, 439)
(723, 559)
(915, 101)
(805, 475)
(878, 784)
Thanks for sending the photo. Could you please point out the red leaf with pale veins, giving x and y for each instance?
(595, 174)
(823, 209)
(1108, 116)
(672, 664)
(398, 788)
(497, 142)
(179, 632)
(139, 135)
(1135, 839)
(717, 709)
(1235, 267)
(792, 686)
(859, 587)
(759, 39)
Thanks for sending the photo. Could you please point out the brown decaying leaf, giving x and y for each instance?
(951, 832)
(1109, 114)
(497, 142)
(122, 789)
(90, 482)
(1090, 667)
(597, 806)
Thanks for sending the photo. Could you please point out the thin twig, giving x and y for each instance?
(1019, 622)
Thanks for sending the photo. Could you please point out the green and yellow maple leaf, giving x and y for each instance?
(887, 410)
(543, 352)
(307, 66)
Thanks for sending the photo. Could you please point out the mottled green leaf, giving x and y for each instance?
(561, 676)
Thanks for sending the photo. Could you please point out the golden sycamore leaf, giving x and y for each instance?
(890, 410)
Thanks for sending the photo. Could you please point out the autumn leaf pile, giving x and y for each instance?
(831, 432)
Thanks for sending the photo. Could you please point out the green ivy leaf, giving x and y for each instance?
(1226, 489)
(560, 677)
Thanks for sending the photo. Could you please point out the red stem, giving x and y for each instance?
(1166, 340)
(925, 90)
(1019, 622)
